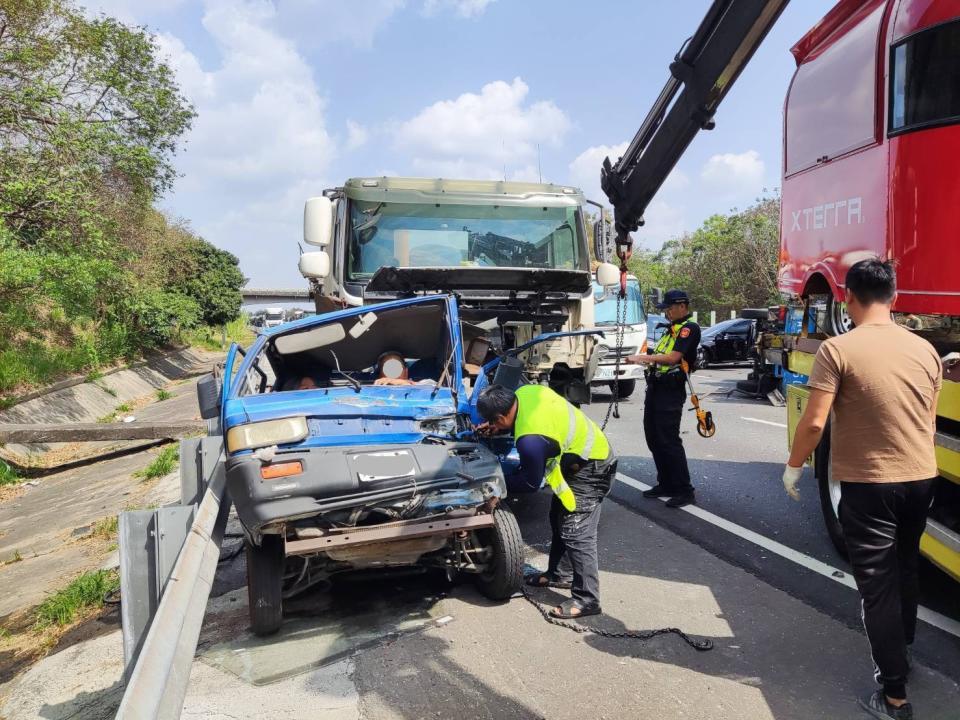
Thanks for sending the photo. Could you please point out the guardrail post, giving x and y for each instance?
(713, 318)
(158, 674)
(191, 472)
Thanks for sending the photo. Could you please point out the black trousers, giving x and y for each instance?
(882, 524)
(662, 411)
(573, 546)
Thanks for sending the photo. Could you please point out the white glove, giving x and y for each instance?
(791, 476)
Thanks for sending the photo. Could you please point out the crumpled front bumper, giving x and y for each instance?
(342, 478)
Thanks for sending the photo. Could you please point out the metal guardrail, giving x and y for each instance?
(162, 615)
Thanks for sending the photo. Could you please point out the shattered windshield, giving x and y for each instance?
(605, 305)
(435, 235)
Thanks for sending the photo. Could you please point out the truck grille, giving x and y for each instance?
(611, 352)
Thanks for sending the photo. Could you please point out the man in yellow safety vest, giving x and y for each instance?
(558, 443)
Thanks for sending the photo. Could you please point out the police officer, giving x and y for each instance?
(666, 395)
(556, 441)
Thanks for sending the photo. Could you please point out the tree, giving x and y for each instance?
(213, 282)
(729, 263)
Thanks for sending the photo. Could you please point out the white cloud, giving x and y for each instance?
(259, 145)
(357, 135)
(734, 174)
(464, 8)
(327, 22)
(489, 134)
(132, 11)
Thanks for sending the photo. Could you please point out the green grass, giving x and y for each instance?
(163, 394)
(162, 464)
(8, 476)
(4, 633)
(87, 591)
(112, 417)
(15, 558)
(106, 528)
(209, 338)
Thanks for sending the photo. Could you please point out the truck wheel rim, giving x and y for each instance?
(841, 319)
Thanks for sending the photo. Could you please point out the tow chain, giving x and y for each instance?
(701, 645)
(621, 318)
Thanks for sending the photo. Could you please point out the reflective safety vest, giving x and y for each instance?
(541, 411)
(665, 346)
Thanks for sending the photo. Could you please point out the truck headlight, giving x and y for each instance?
(270, 432)
(438, 426)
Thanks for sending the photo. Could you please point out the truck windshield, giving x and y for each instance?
(925, 79)
(605, 305)
(435, 235)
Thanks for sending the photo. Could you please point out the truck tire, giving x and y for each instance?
(839, 320)
(264, 584)
(625, 388)
(505, 574)
(829, 494)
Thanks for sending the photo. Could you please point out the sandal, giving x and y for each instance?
(546, 580)
(573, 609)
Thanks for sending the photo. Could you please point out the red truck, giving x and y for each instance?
(871, 142)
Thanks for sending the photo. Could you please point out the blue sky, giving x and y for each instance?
(295, 96)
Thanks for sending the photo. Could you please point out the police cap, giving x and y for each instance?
(673, 296)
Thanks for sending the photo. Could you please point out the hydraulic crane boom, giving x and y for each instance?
(706, 67)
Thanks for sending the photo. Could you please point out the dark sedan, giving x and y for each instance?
(729, 341)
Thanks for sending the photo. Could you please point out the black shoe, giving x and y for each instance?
(657, 491)
(876, 704)
(678, 501)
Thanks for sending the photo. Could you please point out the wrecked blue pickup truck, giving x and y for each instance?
(348, 446)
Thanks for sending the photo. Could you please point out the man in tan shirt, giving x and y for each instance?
(881, 383)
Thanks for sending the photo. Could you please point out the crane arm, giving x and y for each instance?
(701, 74)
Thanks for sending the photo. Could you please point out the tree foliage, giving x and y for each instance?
(729, 263)
(90, 122)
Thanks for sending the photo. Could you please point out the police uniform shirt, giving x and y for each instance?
(688, 338)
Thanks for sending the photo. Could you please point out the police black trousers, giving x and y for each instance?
(573, 548)
(882, 524)
(662, 411)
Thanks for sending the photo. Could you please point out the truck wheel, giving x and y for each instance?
(829, 494)
(505, 572)
(625, 388)
(264, 584)
(703, 359)
(839, 319)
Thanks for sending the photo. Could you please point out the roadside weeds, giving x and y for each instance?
(163, 464)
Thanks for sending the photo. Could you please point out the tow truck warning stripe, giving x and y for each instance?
(930, 617)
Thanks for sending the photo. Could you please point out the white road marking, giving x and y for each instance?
(764, 422)
(930, 617)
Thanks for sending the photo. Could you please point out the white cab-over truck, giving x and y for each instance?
(515, 255)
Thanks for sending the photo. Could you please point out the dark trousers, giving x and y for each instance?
(882, 524)
(573, 545)
(573, 548)
(662, 411)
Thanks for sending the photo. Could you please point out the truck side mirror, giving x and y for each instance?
(602, 239)
(608, 274)
(315, 265)
(318, 221)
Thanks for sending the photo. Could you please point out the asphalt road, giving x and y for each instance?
(737, 477)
